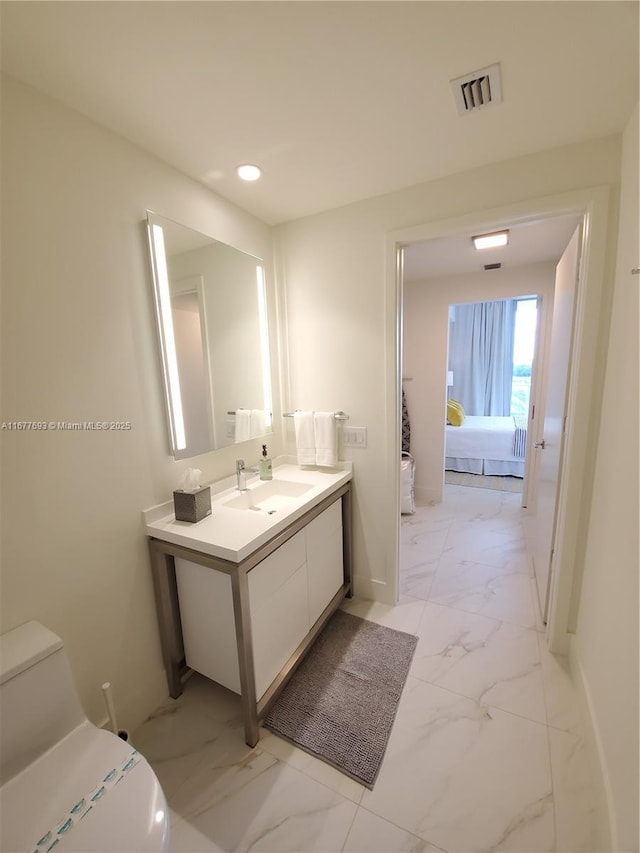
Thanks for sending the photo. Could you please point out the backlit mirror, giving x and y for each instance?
(211, 311)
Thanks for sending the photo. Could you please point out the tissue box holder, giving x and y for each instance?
(192, 506)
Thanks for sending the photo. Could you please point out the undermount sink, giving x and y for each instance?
(269, 496)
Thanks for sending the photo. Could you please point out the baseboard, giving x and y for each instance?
(604, 797)
(427, 496)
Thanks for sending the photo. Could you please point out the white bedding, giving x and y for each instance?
(483, 445)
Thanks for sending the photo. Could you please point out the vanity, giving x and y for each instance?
(243, 594)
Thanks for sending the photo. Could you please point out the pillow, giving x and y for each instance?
(455, 413)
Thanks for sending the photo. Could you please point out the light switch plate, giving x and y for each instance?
(355, 437)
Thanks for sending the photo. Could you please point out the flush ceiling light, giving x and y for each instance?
(249, 172)
(491, 241)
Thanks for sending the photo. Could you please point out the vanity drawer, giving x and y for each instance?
(324, 559)
(324, 525)
(279, 609)
(279, 623)
(270, 574)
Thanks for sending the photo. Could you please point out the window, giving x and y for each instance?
(523, 348)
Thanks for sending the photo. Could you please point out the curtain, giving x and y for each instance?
(481, 356)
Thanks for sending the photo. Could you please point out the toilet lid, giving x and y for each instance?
(93, 792)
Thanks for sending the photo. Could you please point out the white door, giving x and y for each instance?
(548, 442)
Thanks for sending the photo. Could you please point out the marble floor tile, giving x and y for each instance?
(485, 659)
(416, 580)
(487, 590)
(185, 838)
(404, 616)
(426, 519)
(423, 546)
(573, 794)
(311, 766)
(472, 504)
(373, 834)
(444, 512)
(497, 518)
(261, 804)
(178, 736)
(464, 777)
(424, 542)
(503, 550)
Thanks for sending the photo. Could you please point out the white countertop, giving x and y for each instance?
(234, 534)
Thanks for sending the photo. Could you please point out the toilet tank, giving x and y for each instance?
(38, 700)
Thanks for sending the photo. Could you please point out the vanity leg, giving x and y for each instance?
(347, 541)
(163, 572)
(240, 592)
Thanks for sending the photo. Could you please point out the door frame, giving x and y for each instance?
(585, 381)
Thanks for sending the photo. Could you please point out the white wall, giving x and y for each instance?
(606, 641)
(426, 322)
(78, 344)
(334, 268)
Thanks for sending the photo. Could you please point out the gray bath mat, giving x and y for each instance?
(341, 702)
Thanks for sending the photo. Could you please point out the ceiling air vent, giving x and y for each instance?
(492, 266)
(478, 90)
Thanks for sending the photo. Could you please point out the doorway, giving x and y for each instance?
(444, 272)
(591, 206)
(491, 363)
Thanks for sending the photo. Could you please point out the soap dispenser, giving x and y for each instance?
(266, 471)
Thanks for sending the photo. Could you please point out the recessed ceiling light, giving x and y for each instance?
(491, 241)
(249, 172)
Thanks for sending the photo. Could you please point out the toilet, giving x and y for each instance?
(66, 785)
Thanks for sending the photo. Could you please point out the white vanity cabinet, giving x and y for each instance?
(247, 625)
(288, 592)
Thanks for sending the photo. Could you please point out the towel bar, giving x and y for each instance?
(339, 416)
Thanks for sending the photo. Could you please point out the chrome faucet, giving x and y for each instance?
(241, 474)
(241, 477)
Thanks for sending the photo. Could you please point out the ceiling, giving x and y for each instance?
(336, 101)
(529, 243)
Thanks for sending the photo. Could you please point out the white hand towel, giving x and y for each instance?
(243, 425)
(305, 438)
(258, 423)
(326, 435)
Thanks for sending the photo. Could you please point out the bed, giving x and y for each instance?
(487, 445)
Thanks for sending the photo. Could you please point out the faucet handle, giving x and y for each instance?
(239, 465)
